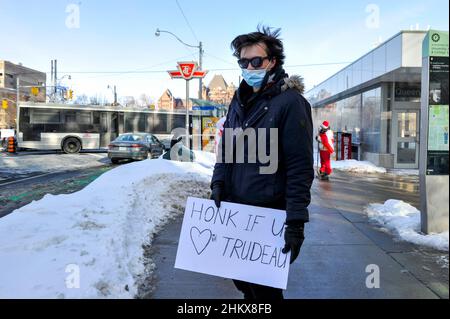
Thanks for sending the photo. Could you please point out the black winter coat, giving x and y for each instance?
(280, 105)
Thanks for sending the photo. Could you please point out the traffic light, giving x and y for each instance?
(35, 91)
(4, 104)
(70, 94)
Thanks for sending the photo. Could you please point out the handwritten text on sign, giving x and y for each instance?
(236, 241)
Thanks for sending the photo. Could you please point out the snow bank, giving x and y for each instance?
(98, 232)
(404, 220)
(355, 166)
(352, 165)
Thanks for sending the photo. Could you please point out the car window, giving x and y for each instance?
(129, 138)
(152, 139)
(156, 139)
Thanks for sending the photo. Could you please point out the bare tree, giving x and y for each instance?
(145, 100)
(94, 100)
(128, 101)
(82, 99)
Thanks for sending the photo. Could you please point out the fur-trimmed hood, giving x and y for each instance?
(294, 82)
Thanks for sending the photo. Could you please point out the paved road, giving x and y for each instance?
(340, 243)
(19, 191)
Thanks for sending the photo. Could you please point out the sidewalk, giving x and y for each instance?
(340, 243)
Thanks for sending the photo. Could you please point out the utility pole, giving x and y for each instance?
(56, 77)
(17, 105)
(200, 58)
(115, 96)
(51, 75)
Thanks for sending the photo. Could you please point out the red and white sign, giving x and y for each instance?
(187, 71)
(346, 146)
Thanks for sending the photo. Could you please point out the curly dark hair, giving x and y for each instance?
(266, 35)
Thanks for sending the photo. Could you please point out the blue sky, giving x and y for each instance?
(119, 36)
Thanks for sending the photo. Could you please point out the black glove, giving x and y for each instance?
(293, 237)
(217, 193)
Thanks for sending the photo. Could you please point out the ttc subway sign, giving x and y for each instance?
(187, 71)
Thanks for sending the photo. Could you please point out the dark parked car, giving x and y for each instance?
(135, 146)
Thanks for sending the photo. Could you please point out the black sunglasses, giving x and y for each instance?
(256, 62)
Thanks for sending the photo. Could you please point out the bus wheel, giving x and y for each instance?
(71, 145)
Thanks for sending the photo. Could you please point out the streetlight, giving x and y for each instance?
(200, 55)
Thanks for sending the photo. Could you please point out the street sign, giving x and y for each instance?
(434, 142)
(187, 71)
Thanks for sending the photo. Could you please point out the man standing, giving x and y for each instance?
(325, 138)
(267, 99)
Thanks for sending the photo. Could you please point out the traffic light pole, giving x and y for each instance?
(115, 96)
(17, 107)
(200, 58)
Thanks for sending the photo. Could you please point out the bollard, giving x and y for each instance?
(11, 145)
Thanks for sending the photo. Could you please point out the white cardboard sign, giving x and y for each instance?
(235, 241)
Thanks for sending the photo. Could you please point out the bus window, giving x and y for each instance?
(104, 122)
(96, 118)
(70, 117)
(43, 116)
(84, 117)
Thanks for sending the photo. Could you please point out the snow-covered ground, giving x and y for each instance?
(365, 167)
(25, 164)
(353, 166)
(404, 172)
(93, 239)
(404, 220)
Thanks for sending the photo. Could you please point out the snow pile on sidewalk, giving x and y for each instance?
(404, 220)
(352, 165)
(355, 166)
(94, 238)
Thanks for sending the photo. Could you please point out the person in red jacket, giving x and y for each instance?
(325, 138)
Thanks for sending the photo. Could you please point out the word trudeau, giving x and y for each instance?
(253, 251)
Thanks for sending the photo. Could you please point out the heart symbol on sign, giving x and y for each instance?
(200, 239)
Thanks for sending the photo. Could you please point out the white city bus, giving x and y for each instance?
(72, 128)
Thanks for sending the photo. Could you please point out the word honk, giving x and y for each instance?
(212, 214)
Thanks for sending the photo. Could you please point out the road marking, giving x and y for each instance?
(41, 175)
(28, 178)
